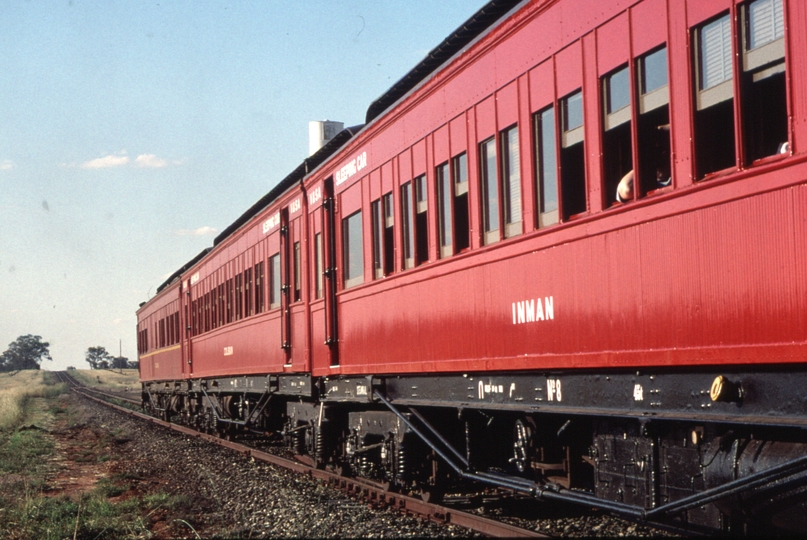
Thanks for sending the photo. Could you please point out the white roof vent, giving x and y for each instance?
(320, 132)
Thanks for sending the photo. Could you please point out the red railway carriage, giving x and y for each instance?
(578, 227)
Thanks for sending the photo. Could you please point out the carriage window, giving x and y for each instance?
(764, 105)
(444, 197)
(377, 216)
(214, 301)
(653, 122)
(222, 301)
(617, 140)
(408, 225)
(459, 171)
(714, 115)
(572, 157)
(546, 167)
(318, 264)
(297, 271)
(490, 191)
(230, 288)
(259, 287)
(239, 287)
(247, 292)
(389, 235)
(511, 182)
(274, 281)
(353, 250)
(421, 221)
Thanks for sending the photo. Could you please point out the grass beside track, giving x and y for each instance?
(104, 379)
(43, 434)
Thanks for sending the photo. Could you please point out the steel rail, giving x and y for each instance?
(373, 494)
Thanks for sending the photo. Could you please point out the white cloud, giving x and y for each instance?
(6, 165)
(150, 161)
(201, 231)
(106, 162)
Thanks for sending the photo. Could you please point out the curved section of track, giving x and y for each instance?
(367, 491)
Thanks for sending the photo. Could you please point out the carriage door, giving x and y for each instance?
(329, 234)
(285, 289)
(185, 325)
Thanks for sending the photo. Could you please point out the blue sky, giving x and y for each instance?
(131, 132)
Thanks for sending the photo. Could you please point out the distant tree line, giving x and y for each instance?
(26, 352)
(99, 358)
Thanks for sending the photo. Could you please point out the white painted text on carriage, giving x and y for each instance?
(535, 310)
(315, 196)
(228, 351)
(271, 223)
(295, 206)
(195, 278)
(351, 168)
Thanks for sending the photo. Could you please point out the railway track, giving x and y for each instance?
(373, 494)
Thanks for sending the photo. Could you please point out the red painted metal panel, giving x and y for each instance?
(485, 119)
(704, 294)
(542, 85)
(701, 10)
(386, 177)
(569, 69)
(680, 85)
(592, 124)
(613, 44)
(459, 135)
(648, 25)
(419, 158)
(796, 31)
(405, 166)
(374, 184)
(507, 106)
(440, 142)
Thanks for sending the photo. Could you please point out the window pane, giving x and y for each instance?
(274, 280)
(490, 185)
(618, 90)
(573, 110)
(297, 271)
(512, 176)
(318, 263)
(766, 22)
(444, 192)
(715, 53)
(547, 166)
(353, 249)
(654, 71)
(408, 223)
(378, 238)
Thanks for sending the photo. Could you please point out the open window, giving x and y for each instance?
(353, 250)
(383, 221)
(459, 172)
(421, 220)
(408, 219)
(617, 137)
(653, 122)
(572, 156)
(714, 100)
(764, 104)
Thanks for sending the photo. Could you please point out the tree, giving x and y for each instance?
(133, 364)
(98, 358)
(120, 362)
(25, 353)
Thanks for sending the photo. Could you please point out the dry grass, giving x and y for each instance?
(17, 388)
(108, 379)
